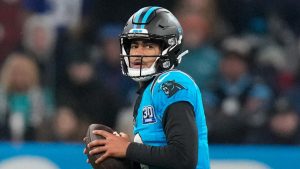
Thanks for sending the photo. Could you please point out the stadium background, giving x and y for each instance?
(60, 72)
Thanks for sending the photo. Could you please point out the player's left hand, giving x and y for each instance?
(113, 145)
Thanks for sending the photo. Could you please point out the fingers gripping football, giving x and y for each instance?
(104, 147)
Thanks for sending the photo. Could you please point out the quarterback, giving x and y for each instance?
(169, 122)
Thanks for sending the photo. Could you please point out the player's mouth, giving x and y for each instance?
(137, 65)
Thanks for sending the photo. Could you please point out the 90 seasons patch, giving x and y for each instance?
(171, 87)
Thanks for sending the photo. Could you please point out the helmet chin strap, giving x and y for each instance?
(142, 74)
(141, 79)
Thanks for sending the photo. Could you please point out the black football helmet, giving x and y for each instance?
(157, 25)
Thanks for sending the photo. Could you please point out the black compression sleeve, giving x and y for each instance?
(181, 132)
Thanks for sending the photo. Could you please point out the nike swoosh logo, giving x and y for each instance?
(162, 78)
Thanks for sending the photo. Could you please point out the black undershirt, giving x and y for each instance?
(182, 144)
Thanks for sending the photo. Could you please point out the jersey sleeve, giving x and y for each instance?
(171, 87)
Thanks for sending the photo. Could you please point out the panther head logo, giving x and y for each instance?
(171, 87)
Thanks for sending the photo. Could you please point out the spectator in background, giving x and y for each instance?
(240, 102)
(25, 106)
(283, 126)
(108, 68)
(82, 92)
(39, 41)
(201, 63)
(67, 125)
(271, 64)
(292, 94)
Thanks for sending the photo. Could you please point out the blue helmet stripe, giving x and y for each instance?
(137, 16)
(146, 16)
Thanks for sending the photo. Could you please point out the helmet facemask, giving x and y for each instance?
(162, 62)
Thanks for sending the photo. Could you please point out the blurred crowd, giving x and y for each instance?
(60, 67)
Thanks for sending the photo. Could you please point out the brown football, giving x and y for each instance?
(109, 163)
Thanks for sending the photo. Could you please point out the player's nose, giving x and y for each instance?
(139, 50)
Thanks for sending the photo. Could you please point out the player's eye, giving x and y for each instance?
(134, 46)
(149, 46)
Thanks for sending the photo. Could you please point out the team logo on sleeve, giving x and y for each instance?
(148, 115)
(171, 87)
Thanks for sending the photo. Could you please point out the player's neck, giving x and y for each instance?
(143, 84)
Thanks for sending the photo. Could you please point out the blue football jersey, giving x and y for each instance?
(170, 87)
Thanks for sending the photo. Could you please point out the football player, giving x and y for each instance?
(169, 122)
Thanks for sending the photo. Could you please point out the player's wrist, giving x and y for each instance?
(126, 145)
(130, 150)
